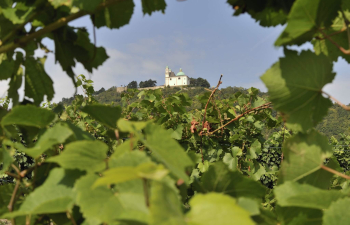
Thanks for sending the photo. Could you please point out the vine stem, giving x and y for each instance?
(264, 106)
(346, 52)
(71, 218)
(335, 172)
(337, 101)
(13, 197)
(145, 191)
(211, 95)
(53, 26)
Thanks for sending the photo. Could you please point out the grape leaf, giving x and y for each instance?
(7, 68)
(165, 205)
(167, 150)
(41, 200)
(149, 6)
(304, 195)
(28, 115)
(37, 82)
(304, 155)
(98, 205)
(215, 208)
(337, 213)
(107, 115)
(295, 87)
(88, 5)
(117, 175)
(305, 18)
(82, 155)
(53, 136)
(220, 179)
(114, 16)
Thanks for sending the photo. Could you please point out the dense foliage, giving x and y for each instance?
(154, 161)
(148, 83)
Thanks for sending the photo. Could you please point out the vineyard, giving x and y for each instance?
(156, 159)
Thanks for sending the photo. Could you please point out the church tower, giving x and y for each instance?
(167, 71)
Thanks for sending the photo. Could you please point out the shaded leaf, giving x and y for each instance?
(304, 195)
(337, 213)
(220, 179)
(295, 87)
(215, 208)
(83, 155)
(28, 115)
(107, 115)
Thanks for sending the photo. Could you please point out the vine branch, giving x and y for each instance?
(264, 106)
(346, 52)
(337, 101)
(53, 26)
(211, 95)
(335, 172)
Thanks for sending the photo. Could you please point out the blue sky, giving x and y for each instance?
(200, 36)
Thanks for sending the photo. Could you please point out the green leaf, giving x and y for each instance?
(37, 82)
(117, 175)
(28, 115)
(5, 155)
(131, 126)
(58, 3)
(220, 179)
(215, 208)
(304, 155)
(251, 205)
(88, 5)
(53, 136)
(7, 68)
(107, 115)
(304, 195)
(123, 156)
(98, 205)
(51, 197)
(295, 215)
(230, 161)
(17, 14)
(149, 6)
(165, 205)
(305, 18)
(83, 155)
(295, 87)
(167, 150)
(337, 213)
(255, 149)
(115, 16)
(177, 134)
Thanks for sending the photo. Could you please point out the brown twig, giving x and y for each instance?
(335, 172)
(12, 175)
(145, 191)
(338, 102)
(332, 34)
(71, 218)
(264, 106)
(217, 109)
(13, 198)
(346, 52)
(211, 95)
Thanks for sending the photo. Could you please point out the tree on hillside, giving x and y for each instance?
(133, 84)
(148, 83)
(199, 82)
(99, 91)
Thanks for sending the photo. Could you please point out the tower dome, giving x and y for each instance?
(180, 73)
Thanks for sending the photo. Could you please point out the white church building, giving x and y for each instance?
(180, 79)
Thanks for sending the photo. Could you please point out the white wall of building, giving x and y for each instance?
(177, 81)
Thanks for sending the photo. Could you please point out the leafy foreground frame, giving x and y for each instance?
(100, 164)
